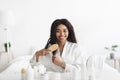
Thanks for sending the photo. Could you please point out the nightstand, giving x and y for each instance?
(5, 58)
(117, 62)
(114, 62)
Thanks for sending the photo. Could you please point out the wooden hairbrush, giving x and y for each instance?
(53, 47)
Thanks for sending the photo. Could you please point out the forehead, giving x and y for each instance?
(61, 26)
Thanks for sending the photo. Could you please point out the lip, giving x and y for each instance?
(61, 37)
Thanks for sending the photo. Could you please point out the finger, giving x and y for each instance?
(53, 58)
(37, 55)
(46, 52)
(37, 58)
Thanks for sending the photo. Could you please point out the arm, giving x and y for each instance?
(74, 59)
(36, 56)
(46, 51)
(58, 62)
(41, 53)
(75, 65)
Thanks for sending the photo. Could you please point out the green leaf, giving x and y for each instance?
(114, 46)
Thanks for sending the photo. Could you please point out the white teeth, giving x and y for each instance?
(61, 37)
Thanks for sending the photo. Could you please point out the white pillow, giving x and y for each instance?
(95, 61)
(94, 65)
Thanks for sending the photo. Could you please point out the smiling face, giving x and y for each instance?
(62, 33)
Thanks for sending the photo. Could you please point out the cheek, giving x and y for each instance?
(67, 34)
(57, 34)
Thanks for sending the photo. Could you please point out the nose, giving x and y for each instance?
(61, 33)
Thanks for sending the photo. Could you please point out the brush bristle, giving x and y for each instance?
(53, 47)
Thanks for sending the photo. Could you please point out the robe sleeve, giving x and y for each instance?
(75, 65)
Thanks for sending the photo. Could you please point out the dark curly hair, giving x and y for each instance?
(53, 39)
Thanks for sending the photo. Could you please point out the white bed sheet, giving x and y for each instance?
(13, 72)
(109, 73)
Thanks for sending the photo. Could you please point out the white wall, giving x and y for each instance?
(96, 22)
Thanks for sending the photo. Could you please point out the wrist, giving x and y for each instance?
(62, 64)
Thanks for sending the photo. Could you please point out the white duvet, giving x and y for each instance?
(13, 72)
(109, 73)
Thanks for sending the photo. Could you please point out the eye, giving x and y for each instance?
(65, 30)
(57, 31)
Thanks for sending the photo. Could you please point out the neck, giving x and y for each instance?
(61, 46)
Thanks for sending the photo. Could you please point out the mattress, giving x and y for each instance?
(13, 72)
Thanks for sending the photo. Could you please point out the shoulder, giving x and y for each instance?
(75, 48)
(73, 45)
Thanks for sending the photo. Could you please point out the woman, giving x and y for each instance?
(68, 56)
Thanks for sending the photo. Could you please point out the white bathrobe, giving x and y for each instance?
(71, 55)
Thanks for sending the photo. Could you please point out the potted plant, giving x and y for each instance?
(112, 50)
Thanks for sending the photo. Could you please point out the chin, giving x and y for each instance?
(62, 40)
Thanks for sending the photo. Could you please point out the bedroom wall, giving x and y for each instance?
(96, 22)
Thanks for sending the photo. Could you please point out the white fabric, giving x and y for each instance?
(108, 73)
(13, 72)
(72, 56)
(95, 61)
(97, 69)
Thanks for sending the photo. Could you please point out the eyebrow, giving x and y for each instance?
(63, 29)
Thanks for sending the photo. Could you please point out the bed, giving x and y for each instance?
(13, 72)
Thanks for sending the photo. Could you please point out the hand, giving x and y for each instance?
(41, 53)
(58, 62)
